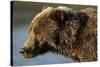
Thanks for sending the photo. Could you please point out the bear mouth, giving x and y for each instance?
(27, 53)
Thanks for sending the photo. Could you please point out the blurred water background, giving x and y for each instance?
(23, 13)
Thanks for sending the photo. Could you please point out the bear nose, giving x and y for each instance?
(22, 50)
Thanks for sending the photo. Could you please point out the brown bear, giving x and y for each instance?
(65, 31)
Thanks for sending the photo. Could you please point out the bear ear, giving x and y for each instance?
(44, 7)
(84, 14)
(89, 10)
(83, 17)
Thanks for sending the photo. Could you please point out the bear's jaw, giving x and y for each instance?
(28, 53)
(33, 52)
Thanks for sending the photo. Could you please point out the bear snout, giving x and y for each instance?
(27, 50)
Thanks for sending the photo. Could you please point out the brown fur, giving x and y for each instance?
(64, 31)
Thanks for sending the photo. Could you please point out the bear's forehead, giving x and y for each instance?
(49, 10)
(64, 8)
(60, 8)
